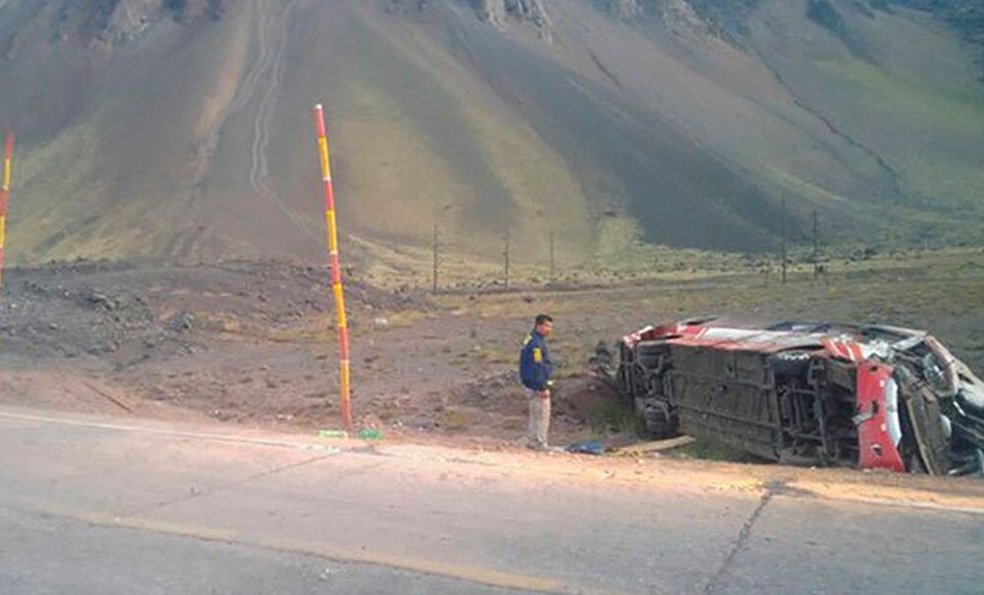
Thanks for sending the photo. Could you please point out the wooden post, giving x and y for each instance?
(437, 247)
(816, 245)
(506, 255)
(784, 260)
(553, 269)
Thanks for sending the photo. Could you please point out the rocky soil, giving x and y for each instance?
(253, 342)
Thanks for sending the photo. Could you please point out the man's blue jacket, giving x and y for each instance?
(535, 366)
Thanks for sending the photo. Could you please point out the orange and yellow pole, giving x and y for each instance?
(8, 155)
(344, 378)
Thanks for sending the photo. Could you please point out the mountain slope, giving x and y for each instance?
(182, 129)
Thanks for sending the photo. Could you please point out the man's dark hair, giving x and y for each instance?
(541, 318)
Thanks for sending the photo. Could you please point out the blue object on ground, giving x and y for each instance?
(587, 447)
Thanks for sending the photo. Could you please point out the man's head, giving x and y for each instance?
(543, 324)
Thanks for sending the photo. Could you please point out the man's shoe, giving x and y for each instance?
(541, 447)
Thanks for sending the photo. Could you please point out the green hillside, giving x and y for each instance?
(183, 130)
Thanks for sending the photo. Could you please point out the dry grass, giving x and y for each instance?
(942, 292)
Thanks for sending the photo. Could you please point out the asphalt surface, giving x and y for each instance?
(105, 506)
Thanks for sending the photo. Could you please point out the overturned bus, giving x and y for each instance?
(873, 397)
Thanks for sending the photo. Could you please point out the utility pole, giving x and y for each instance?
(437, 248)
(784, 240)
(506, 255)
(816, 245)
(552, 262)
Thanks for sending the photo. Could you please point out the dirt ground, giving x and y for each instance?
(253, 342)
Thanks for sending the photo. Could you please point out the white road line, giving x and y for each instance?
(900, 502)
(176, 433)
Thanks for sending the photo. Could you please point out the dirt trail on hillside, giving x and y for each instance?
(272, 30)
(259, 91)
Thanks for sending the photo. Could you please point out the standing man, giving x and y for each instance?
(535, 368)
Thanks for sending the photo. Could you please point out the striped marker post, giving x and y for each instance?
(8, 155)
(336, 270)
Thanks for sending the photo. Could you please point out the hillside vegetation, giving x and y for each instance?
(182, 129)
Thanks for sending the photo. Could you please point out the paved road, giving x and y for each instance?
(101, 506)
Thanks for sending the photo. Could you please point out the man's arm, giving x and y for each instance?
(541, 366)
(547, 365)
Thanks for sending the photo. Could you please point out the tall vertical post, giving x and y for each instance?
(437, 248)
(816, 245)
(784, 259)
(344, 376)
(8, 155)
(505, 254)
